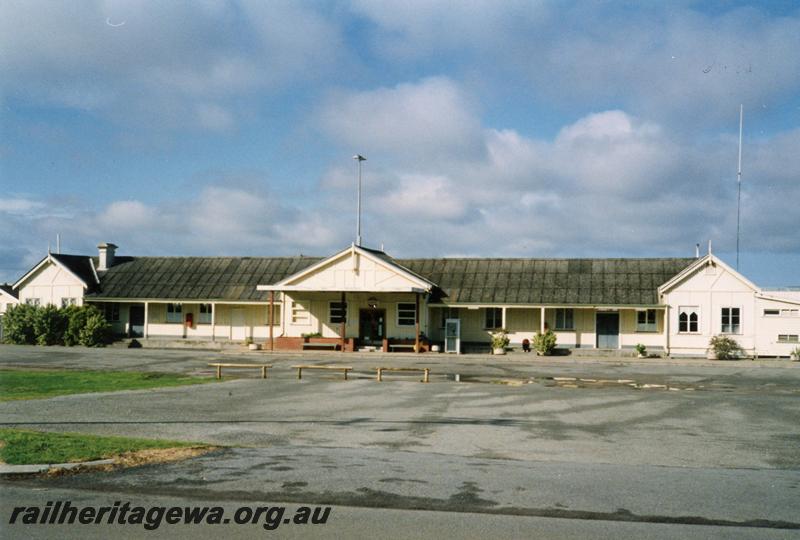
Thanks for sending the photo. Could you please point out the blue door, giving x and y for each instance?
(607, 330)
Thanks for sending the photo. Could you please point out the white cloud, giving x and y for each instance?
(668, 62)
(19, 205)
(169, 62)
(423, 197)
(609, 183)
(431, 119)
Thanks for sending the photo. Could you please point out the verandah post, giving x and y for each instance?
(416, 322)
(271, 319)
(344, 320)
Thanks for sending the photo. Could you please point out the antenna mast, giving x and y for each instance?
(739, 186)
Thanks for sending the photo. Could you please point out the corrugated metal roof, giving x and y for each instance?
(463, 280)
(6, 288)
(197, 278)
(551, 281)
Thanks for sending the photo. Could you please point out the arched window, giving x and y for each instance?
(688, 319)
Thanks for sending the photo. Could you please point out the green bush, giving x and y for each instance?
(18, 325)
(77, 317)
(96, 332)
(725, 348)
(500, 340)
(544, 344)
(49, 324)
(24, 324)
(641, 349)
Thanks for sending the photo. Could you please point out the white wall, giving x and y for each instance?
(6, 301)
(769, 327)
(711, 288)
(50, 284)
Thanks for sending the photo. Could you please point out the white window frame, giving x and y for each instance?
(774, 312)
(406, 314)
(68, 301)
(788, 338)
(33, 301)
(647, 326)
(301, 315)
(689, 310)
(562, 324)
(733, 329)
(337, 312)
(789, 312)
(174, 313)
(205, 313)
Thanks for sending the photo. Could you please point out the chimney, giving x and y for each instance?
(107, 250)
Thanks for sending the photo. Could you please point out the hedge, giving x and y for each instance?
(24, 324)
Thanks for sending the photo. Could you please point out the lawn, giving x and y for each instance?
(21, 447)
(35, 384)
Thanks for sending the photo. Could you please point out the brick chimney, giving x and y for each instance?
(107, 250)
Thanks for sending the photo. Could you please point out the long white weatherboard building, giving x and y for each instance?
(363, 298)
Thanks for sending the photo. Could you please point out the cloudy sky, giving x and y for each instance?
(513, 129)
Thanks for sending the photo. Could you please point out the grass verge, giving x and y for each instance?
(23, 447)
(36, 384)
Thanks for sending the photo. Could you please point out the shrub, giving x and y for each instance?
(544, 344)
(641, 350)
(18, 324)
(76, 319)
(500, 340)
(96, 332)
(49, 324)
(724, 348)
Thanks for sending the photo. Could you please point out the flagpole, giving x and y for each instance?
(739, 185)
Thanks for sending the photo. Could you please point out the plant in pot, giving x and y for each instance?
(250, 344)
(795, 354)
(499, 342)
(641, 350)
(723, 348)
(544, 344)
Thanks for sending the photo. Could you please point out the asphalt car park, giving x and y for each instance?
(714, 447)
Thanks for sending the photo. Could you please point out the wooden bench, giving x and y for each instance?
(408, 346)
(220, 365)
(334, 346)
(343, 369)
(424, 370)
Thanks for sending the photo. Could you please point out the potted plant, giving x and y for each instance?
(250, 344)
(723, 348)
(795, 354)
(499, 342)
(641, 350)
(544, 344)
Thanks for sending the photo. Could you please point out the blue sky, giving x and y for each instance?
(518, 128)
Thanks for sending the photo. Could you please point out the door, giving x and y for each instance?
(238, 330)
(372, 326)
(607, 325)
(452, 336)
(136, 321)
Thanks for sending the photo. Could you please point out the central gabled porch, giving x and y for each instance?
(356, 298)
